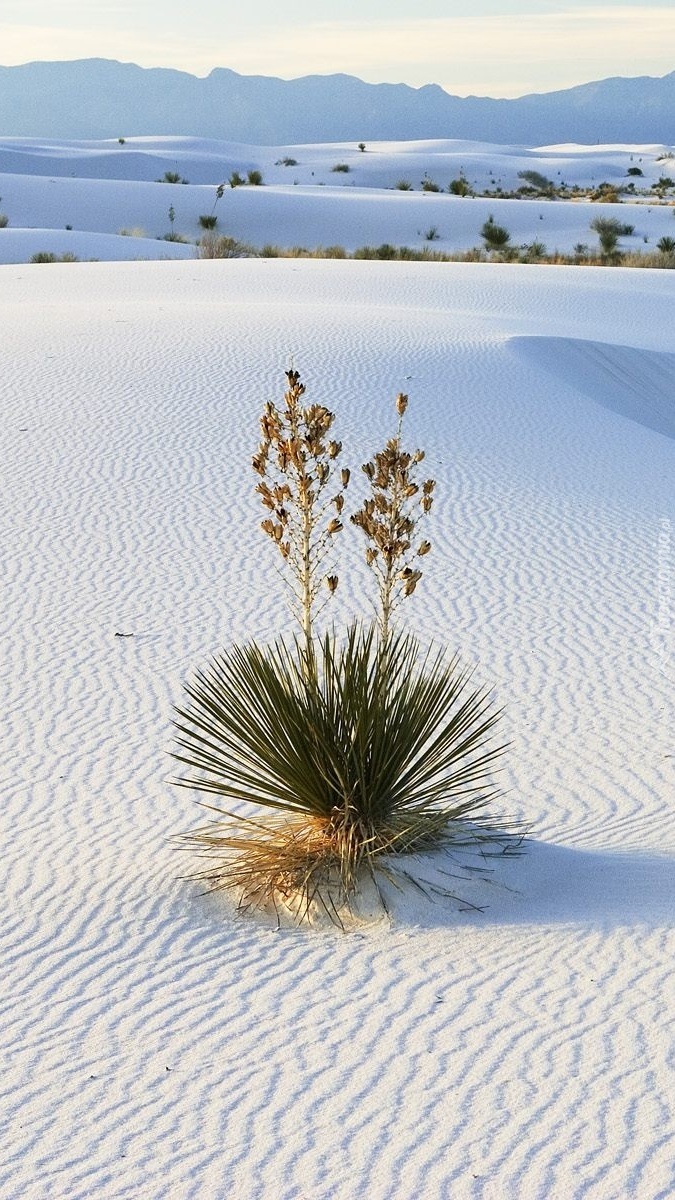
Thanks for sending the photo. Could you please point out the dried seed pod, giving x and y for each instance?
(331, 583)
(424, 548)
(344, 475)
(293, 461)
(401, 404)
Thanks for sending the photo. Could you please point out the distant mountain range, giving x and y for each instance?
(100, 98)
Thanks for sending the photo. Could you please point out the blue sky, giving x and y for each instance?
(480, 47)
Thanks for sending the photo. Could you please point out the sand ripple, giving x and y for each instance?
(156, 1046)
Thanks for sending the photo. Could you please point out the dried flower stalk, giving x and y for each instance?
(295, 463)
(388, 518)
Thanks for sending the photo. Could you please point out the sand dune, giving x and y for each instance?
(104, 187)
(155, 1044)
(638, 384)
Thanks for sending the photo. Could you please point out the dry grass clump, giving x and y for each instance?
(47, 256)
(216, 245)
(356, 749)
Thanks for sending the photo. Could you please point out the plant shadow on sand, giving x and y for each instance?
(543, 884)
(546, 884)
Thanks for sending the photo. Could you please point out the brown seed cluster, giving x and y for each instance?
(389, 516)
(295, 462)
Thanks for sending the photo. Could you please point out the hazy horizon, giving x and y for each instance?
(470, 47)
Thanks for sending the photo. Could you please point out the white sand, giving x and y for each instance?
(103, 187)
(155, 1044)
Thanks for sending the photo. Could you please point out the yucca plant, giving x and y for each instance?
(355, 749)
(496, 237)
(376, 753)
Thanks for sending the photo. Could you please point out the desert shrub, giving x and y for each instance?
(174, 236)
(362, 146)
(343, 167)
(538, 182)
(403, 185)
(361, 748)
(236, 180)
(605, 193)
(286, 162)
(666, 245)
(269, 250)
(533, 252)
(46, 256)
(4, 220)
(344, 792)
(459, 186)
(432, 234)
(214, 245)
(428, 185)
(172, 177)
(135, 232)
(636, 171)
(664, 183)
(208, 221)
(121, 140)
(333, 252)
(609, 230)
(254, 178)
(496, 237)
